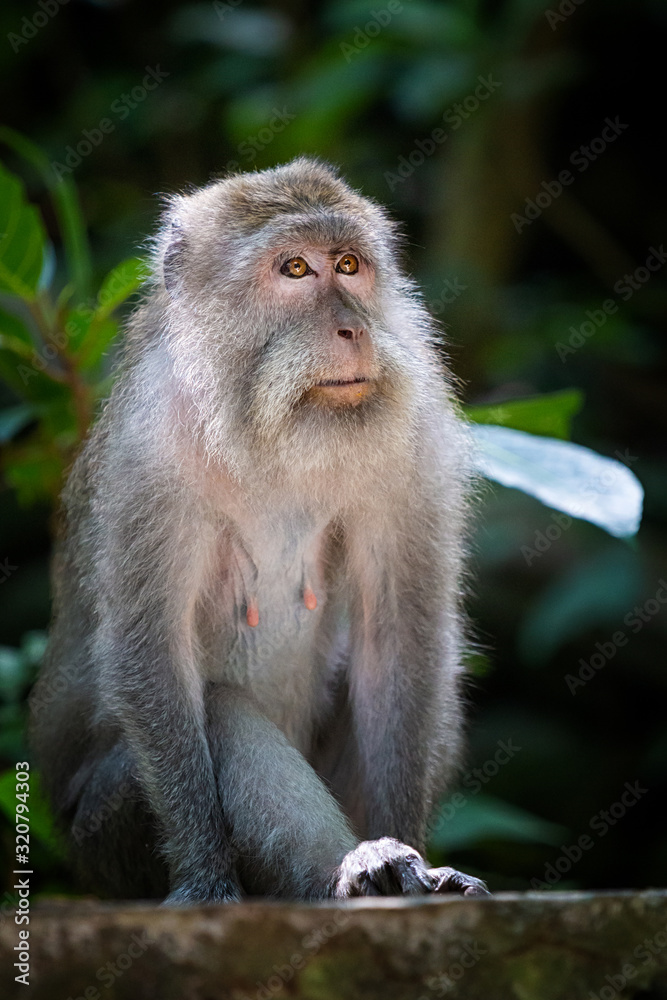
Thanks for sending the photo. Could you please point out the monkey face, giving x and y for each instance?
(331, 287)
(288, 321)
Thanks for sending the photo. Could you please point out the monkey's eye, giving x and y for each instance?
(348, 264)
(296, 267)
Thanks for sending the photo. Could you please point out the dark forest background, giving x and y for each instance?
(521, 91)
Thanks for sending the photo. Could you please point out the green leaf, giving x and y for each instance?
(119, 284)
(58, 420)
(12, 673)
(18, 666)
(77, 325)
(487, 818)
(21, 239)
(68, 209)
(12, 730)
(328, 95)
(562, 475)
(429, 85)
(550, 414)
(22, 366)
(35, 473)
(252, 32)
(90, 331)
(594, 594)
(18, 368)
(82, 329)
(12, 326)
(16, 346)
(33, 647)
(39, 815)
(95, 346)
(14, 419)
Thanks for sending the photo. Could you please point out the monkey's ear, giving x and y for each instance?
(174, 258)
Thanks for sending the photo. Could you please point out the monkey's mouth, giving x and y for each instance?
(341, 381)
(340, 391)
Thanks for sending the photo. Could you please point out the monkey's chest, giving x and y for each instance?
(275, 641)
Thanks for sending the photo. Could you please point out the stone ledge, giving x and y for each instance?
(530, 946)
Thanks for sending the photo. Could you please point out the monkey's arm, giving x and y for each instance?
(151, 687)
(404, 676)
(404, 680)
(163, 727)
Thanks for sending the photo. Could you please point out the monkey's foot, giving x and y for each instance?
(449, 880)
(221, 890)
(384, 867)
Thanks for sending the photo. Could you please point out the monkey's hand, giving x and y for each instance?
(449, 880)
(384, 867)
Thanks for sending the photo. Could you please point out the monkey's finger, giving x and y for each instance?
(349, 887)
(415, 876)
(451, 880)
(400, 876)
(397, 869)
(368, 887)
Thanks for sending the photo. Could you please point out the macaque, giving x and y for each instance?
(252, 683)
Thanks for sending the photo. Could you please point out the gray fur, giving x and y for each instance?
(258, 758)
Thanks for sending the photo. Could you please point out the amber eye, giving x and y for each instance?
(295, 268)
(348, 264)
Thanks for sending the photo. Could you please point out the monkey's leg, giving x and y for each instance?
(159, 707)
(289, 836)
(113, 835)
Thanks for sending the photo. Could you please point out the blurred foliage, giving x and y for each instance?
(551, 414)
(460, 116)
(51, 344)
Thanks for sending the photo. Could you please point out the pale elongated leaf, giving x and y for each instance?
(562, 475)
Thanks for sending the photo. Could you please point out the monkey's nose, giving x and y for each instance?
(350, 334)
